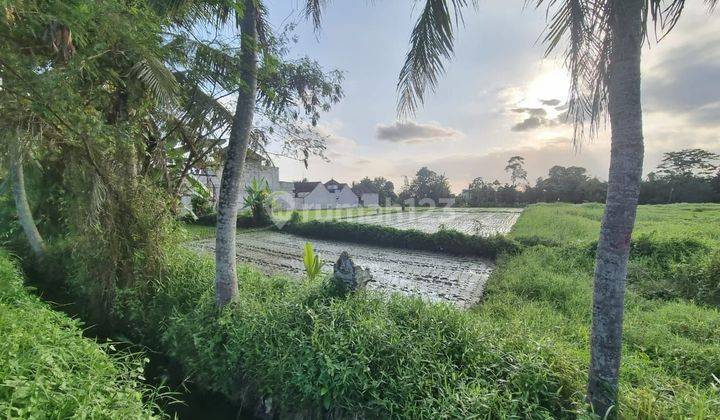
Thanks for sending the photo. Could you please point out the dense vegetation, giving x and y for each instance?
(524, 350)
(685, 176)
(449, 241)
(49, 370)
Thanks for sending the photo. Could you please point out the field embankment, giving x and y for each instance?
(49, 370)
(445, 241)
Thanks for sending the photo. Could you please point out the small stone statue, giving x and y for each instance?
(347, 276)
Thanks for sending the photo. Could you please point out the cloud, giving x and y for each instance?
(550, 102)
(414, 132)
(537, 117)
(529, 124)
(684, 77)
(535, 112)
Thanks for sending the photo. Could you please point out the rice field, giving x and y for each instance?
(432, 276)
(477, 221)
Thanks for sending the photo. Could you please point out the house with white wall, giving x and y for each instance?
(312, 195)
(344, 195)
(368, 197)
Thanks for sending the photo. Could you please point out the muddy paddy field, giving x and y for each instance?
(476, 221)
(434, 276)
(437, 277)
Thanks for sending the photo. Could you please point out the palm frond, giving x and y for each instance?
(264, 31)
(156, 77)
(431, 43)
(313, 9)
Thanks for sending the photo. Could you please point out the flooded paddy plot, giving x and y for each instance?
(437, 277)
(482, 222)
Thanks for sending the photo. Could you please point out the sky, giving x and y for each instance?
(499, 97)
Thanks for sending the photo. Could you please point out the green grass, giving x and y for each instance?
(671, 354)
(364, 356)
(570, 223)
(198, 232)
(448, 241)
(49, 370)
(195, 231)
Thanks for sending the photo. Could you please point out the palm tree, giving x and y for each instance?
(225, 268)
(17, 177)
(604, 46)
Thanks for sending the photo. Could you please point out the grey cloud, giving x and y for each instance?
(687, 81)
(537, 118)
(413, 132)
(535, 112)
(529, 124)
(550, 102)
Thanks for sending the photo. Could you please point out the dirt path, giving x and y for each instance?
(437, 277)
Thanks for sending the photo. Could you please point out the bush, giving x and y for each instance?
(201, 205)
(449, 241)
(367, 356)
(674, 268)
(244, 220)
(49, 370)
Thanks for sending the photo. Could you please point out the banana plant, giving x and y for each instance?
(259, 198)
(313, 264)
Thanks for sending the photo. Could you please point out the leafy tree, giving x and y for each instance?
(86, 76)
(384, 188)
(682, 176)
(427, 188)
(255, 36)
(688, 163)
(564, 184)
(516, 169)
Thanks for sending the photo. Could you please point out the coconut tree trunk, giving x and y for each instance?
(626, 160)
(225, 275)
(23, 209)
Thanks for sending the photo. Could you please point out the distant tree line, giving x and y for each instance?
(688, 175)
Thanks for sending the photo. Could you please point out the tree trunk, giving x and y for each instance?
(225, 275)
(626, 160)
(23, 209)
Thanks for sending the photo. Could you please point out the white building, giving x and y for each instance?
(313, 195)
(344, 195)
(289, 195)
(368, 197)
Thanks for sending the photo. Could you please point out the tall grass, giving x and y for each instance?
(49, 370)
(314, 355)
